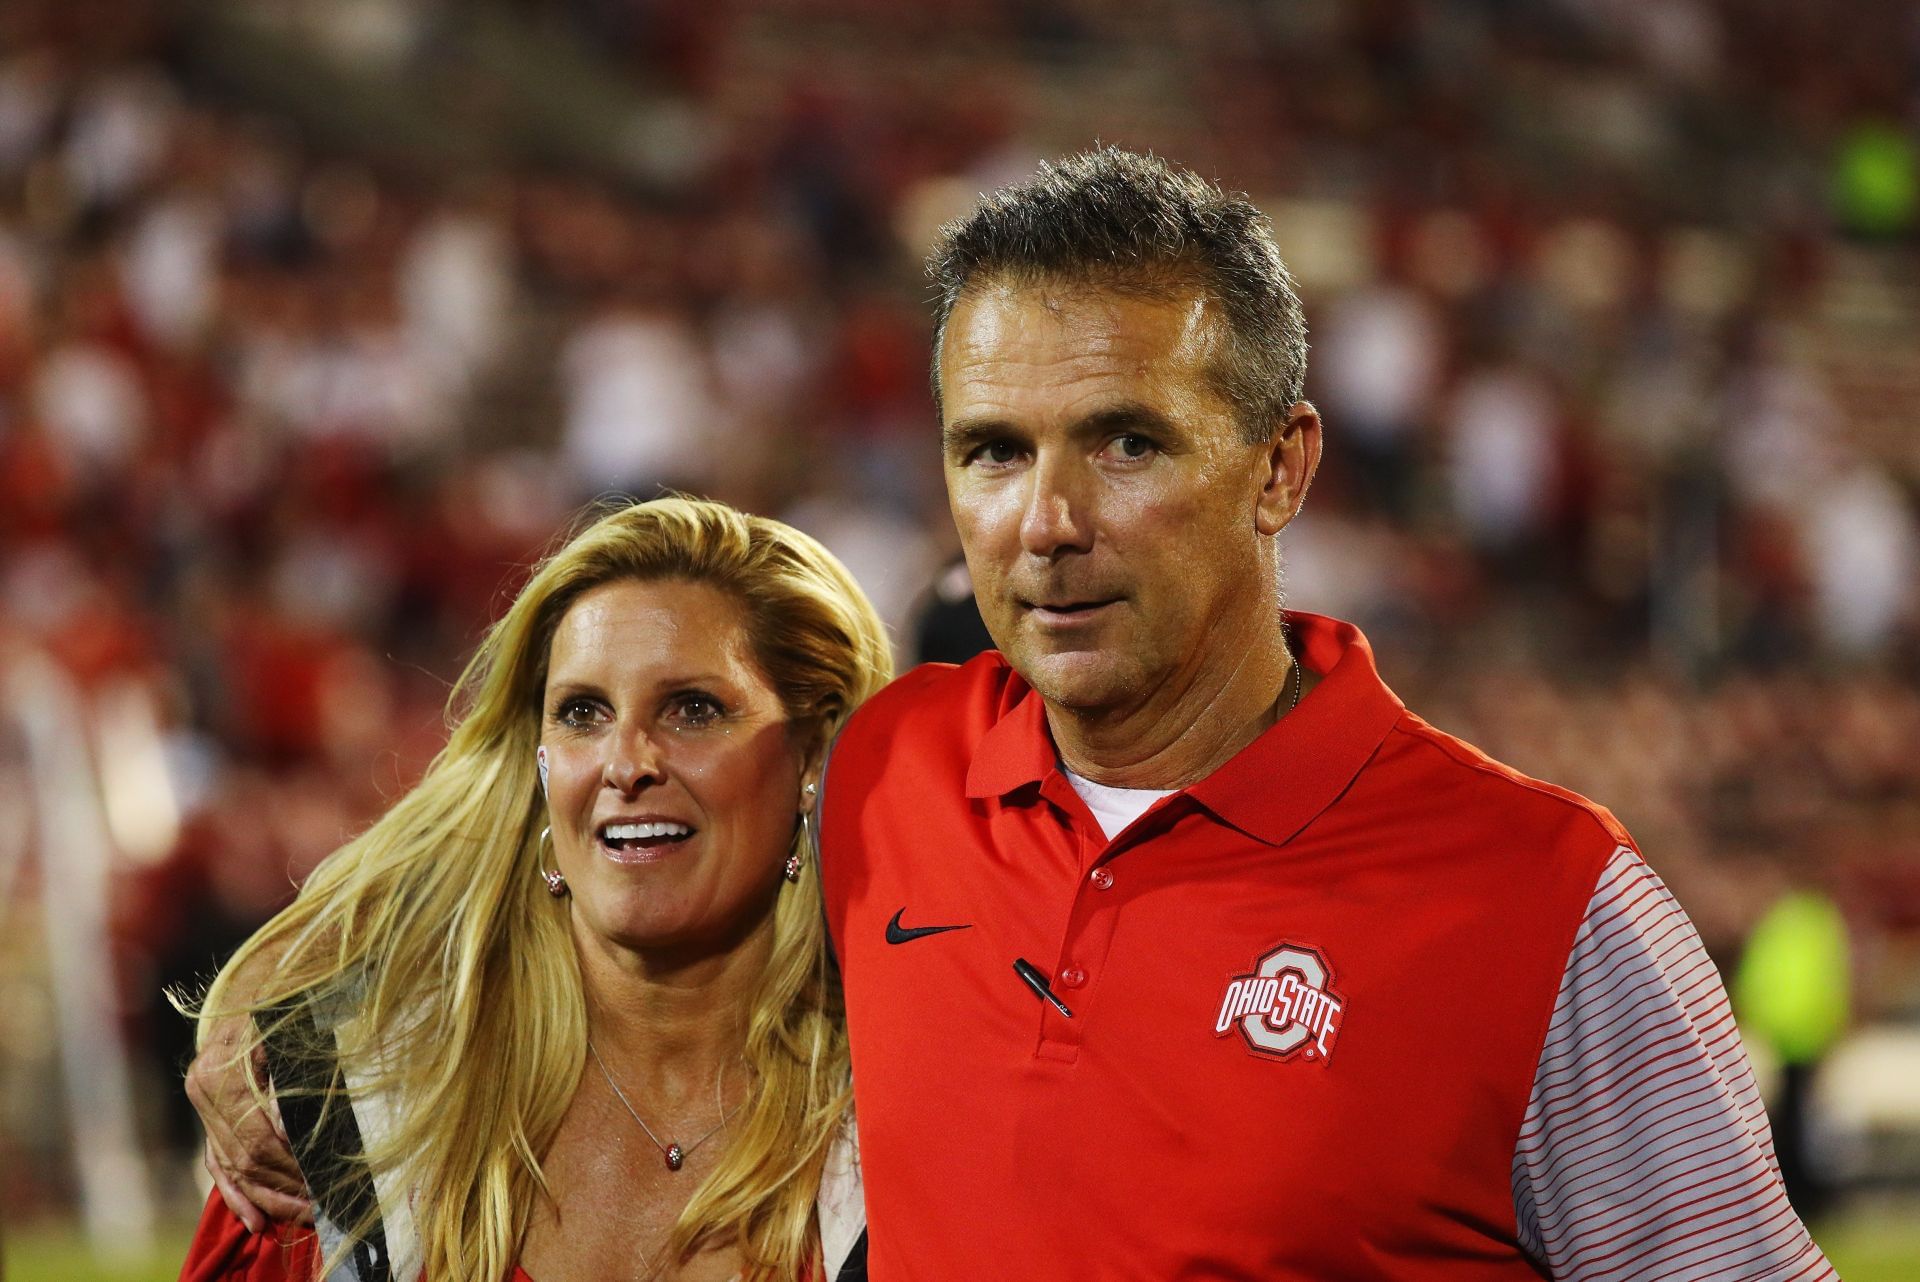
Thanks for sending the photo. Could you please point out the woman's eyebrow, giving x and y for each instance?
(563, 686)
(678, 681)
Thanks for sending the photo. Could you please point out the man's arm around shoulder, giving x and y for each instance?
(247, 1152)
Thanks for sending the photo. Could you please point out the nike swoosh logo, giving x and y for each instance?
(898, 934)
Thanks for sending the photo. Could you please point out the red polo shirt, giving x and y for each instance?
(1308, 993)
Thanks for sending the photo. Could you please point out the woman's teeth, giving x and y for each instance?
(618, 833)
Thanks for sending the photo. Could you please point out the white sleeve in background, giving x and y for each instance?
(1645, 1152)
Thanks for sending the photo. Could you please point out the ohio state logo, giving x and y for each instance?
(1286, 1007)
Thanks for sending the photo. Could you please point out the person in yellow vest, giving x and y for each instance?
(1790, 994)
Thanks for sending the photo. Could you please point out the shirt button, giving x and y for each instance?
(1101, 879)
(1073, 977)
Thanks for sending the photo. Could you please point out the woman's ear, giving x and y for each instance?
(815, 738)
(540, 756)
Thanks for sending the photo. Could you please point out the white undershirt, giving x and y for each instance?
(1114, 808)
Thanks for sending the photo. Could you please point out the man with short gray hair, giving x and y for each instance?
(1174, 946)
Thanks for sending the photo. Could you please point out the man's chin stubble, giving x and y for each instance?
(1086, 688)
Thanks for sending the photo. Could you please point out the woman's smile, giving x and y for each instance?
(644, 839)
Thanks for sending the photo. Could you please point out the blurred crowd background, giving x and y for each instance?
(319, 318)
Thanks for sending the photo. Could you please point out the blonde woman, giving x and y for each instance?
(564, 1012)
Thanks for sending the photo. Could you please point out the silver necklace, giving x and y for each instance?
(1294, 677)
(675, 1153)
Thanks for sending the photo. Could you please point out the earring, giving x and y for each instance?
(556, 883)
(794, 861)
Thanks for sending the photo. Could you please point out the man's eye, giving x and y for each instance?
(998, 452)
(1133, 446)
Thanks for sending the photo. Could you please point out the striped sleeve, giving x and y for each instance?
(1645, 1152)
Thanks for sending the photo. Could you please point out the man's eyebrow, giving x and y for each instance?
(1129, 415)
(964, 435)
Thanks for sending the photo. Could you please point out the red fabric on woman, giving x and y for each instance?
(224, 1251)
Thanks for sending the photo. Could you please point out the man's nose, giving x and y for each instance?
(633, 760)
(1056, 518)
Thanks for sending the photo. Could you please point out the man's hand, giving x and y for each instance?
(248, 1153)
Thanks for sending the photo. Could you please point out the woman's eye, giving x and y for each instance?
(576, 712)
(696, 710)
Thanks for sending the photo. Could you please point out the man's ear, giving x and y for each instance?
(1290, 458)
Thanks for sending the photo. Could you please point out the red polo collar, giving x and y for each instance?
(1270, 789)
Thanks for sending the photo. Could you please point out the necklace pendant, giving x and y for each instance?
(676, 1157)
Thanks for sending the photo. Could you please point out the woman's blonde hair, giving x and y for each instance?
(467, 999)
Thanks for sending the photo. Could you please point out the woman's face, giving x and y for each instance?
(674, 777)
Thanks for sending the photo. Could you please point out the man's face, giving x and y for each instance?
(1113, 515)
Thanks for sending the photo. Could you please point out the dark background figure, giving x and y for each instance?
(948, 628)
